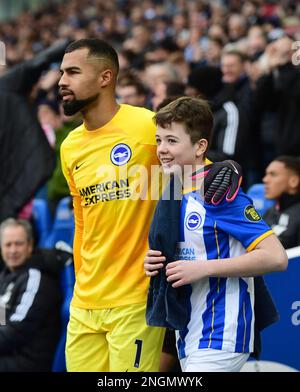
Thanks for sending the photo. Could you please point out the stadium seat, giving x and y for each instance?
(41, 193)
(63, 225)
(257, 194)
(67, 281)
(42, 221)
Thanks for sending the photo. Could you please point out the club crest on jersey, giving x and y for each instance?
(193, 221)
(251, 214)
(120, 154)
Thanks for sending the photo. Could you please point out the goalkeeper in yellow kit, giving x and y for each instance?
(101, 160)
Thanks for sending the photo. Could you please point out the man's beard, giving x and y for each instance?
(75, 106)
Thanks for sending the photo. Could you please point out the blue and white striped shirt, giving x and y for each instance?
(222, 309)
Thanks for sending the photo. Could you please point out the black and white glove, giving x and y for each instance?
(223, 179)
(64, 252)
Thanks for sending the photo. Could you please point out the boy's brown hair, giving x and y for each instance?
(194, 113)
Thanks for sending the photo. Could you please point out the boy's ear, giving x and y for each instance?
(202, 145)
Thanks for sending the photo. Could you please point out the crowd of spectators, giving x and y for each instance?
(243, 56)
(240, 55)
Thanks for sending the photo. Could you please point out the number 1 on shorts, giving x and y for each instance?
(137, 360)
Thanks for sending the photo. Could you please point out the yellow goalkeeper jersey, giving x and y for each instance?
(108, 172)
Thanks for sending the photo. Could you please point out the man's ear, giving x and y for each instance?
(105, 77)
(30, 246)
(294, 182)
(201, 147)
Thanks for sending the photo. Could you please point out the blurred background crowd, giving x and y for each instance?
(241, 55)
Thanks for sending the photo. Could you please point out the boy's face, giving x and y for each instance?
(175, 149)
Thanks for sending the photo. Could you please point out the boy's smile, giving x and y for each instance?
(175, 149)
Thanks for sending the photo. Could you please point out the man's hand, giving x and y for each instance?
(153, 262)
(49, 80)
(279, 52)
(223, 179)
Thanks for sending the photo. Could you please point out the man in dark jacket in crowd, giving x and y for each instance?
(29, 301)
(278, 91)
(282, 183)
(235, 128)
(27, 160)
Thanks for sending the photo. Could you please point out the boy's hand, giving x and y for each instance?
(223, 179)
(185, 272)
(153, 262)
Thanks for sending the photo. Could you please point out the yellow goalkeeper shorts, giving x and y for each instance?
(112, 340)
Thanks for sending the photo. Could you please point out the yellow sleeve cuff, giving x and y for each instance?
(259, 239)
